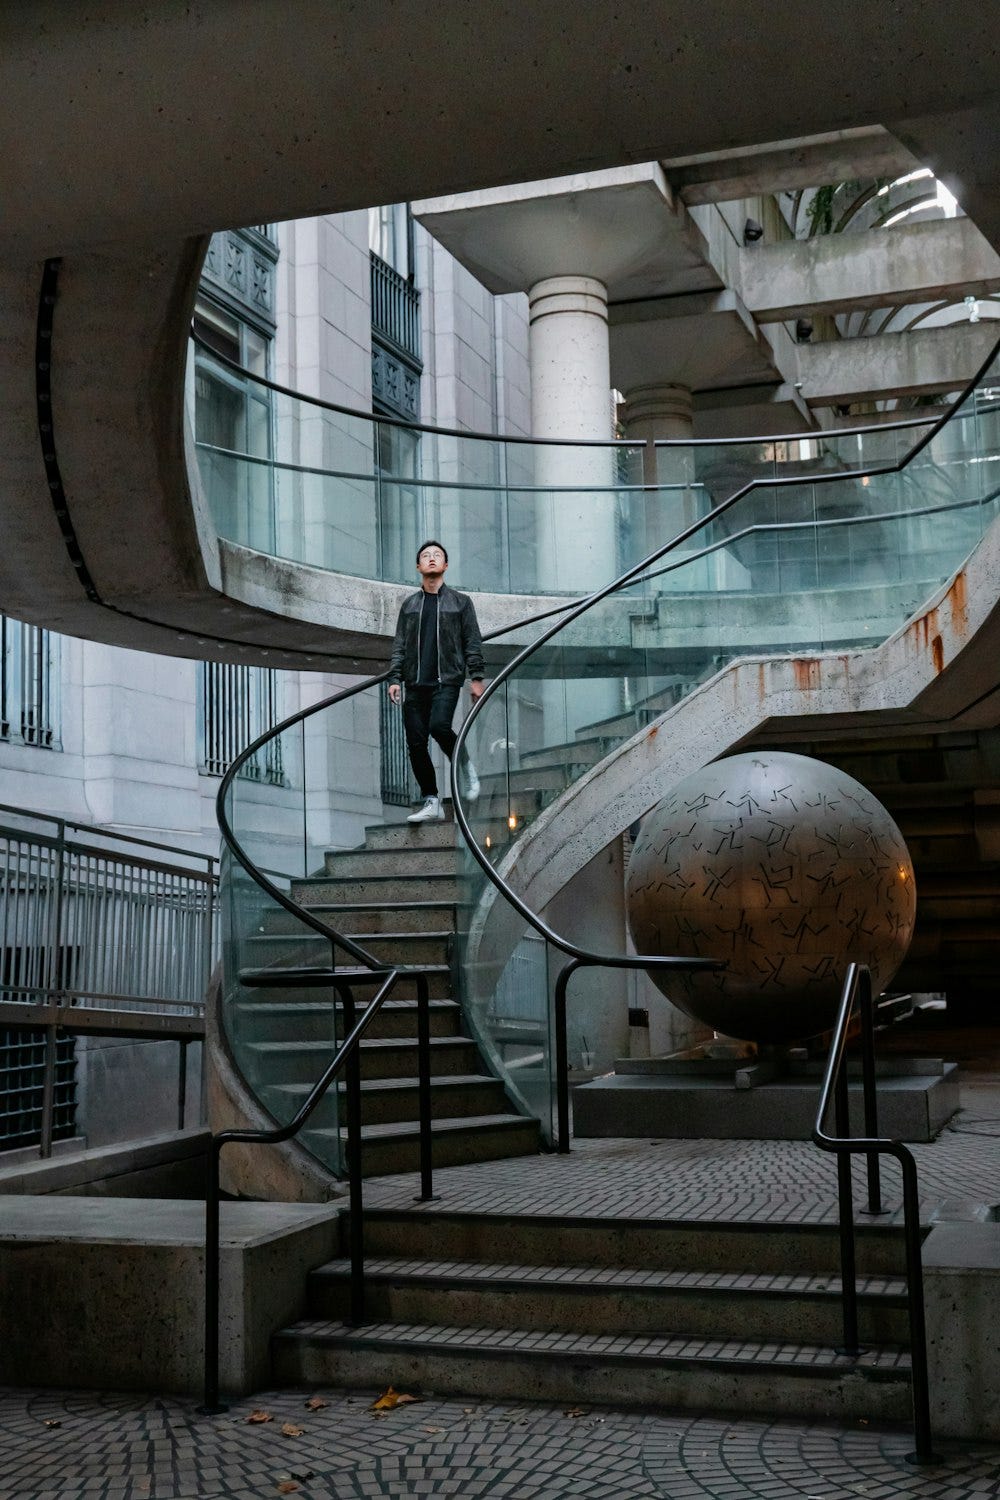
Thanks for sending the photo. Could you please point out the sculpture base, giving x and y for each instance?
(771, 1096)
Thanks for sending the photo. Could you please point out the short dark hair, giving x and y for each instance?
(432, 542)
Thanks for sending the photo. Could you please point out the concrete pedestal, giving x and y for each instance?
(658, 1097)
(961, 1296)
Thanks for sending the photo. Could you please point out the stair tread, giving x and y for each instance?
(441, 1043)
(381, 905)
(410, 1129)
(387, 1085)
(294, 976)
(804, 1359)
(598, 1276)
(356, 937)
(284, 1007)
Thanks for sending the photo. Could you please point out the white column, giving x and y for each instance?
(571, 399)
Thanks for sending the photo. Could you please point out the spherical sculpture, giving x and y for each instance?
(786, 868)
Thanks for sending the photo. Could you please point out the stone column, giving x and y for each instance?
(571, 399)
(654, 413)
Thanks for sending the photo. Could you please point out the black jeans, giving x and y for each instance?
(427, 714)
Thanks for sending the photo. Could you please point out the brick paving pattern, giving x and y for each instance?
(81, 1446)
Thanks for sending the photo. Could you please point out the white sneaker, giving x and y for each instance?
(472, 787)
(431, 812)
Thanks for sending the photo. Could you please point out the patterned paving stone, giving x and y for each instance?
(120, 1447)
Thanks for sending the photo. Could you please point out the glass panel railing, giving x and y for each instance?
(353, 493)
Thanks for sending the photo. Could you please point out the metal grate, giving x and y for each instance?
(398, 786)
(22, 1084)
(236, 705)
(29, 696)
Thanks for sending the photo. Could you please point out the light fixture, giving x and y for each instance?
(752, 232)
(512, 821)
(489, 842)
(803, 330)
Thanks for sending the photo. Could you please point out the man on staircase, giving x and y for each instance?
(437, 643)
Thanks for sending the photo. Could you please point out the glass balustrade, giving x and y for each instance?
(810, 557)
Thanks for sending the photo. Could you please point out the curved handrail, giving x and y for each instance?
(857, 992)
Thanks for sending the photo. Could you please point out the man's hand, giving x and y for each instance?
(476, 688)
(395, 692)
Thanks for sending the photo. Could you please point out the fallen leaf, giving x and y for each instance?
(316, 1403)
(575, 1411)
(259, 1416)
(287, 1487)
(289, 1429)
(392, 1398)
(434, 1429)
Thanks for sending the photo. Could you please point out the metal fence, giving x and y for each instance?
(395, 307)
(99, 933)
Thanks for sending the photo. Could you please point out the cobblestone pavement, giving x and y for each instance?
(770, 1181)
(64, 1446)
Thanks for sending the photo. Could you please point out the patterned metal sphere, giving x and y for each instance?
(786, 868)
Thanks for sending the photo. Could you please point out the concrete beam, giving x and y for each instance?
(940, 261)
(927, 360)
(780, 166)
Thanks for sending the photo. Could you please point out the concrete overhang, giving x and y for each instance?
(940, 261)
(703, 341)
(620, 226)
(782, 166)
(918, 363)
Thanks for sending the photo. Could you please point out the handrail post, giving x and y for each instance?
(845, 1197)
(424, 1089)
(562, 1055)
(870, 1089)
(919, 1379)
(356, 1227)
(211, 1406)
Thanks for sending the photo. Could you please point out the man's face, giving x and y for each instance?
(431, 562)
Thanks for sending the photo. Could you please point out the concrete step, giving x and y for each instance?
(366, 862)
(384, 1057)
(396, 1147)
(614, 1369)
(603, 1299)
(438, 983)
(411, 836)
(394, 947)
(577, 753)
(387, 1101)
(376, 889)
(368, 917)
(640, 1244)
(312, 1020)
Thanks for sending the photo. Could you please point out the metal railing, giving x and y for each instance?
(395, 307)
(857, 993)
(101, 933)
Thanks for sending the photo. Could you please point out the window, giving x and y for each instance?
(390, 234)
(236, 704)
(29, 685)
(22, 1084)
(232, 417)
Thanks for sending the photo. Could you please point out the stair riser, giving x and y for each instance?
(439, 987)
(398, 1105)
(386, 1157)
(413, 949)
(381, 888)
(410, 836)
(305, 1066)
(359, 919)
(645, 1246)
(633, 1383)
(740, 1315)
(315, 1024)
(366, 862)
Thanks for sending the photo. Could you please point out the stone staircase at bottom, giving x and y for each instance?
(731, 1316)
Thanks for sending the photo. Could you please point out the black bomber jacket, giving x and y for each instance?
(460, 645)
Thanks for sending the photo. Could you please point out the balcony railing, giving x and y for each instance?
(395, 309)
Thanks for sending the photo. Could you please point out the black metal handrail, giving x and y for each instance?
(857, 992)
(345, 1060)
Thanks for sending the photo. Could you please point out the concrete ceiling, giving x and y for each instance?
(128, 131)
